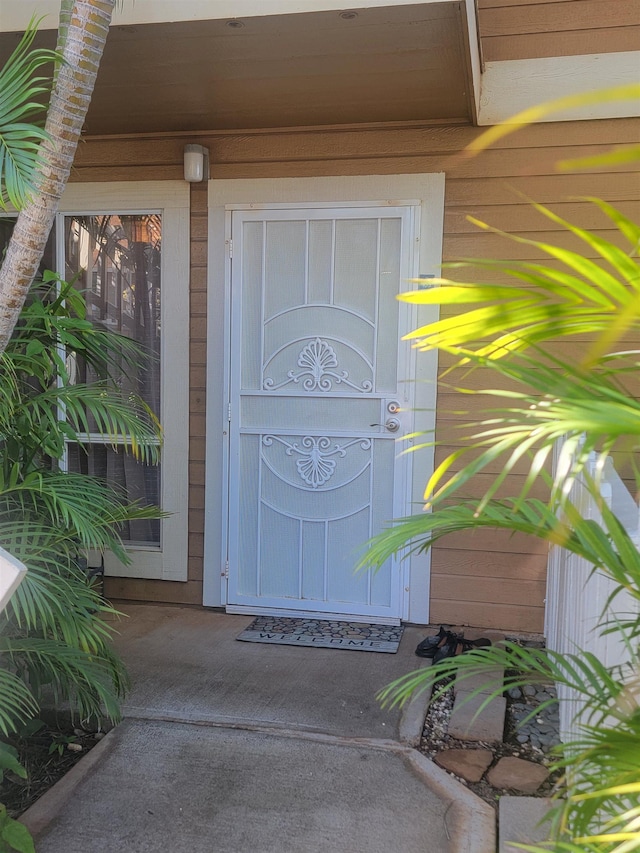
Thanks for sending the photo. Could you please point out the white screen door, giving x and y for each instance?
(316, 376)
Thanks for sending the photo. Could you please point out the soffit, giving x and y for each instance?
(396, 63)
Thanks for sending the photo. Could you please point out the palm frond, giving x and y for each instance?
(124, 419)
(566, 847)
(56, 600)
(55, 314)
(20, 139)
(83, 679)
(605, 792)
(617, 156)
(77, 503)
(18, 703)
(607, 546)
(581, 672)
(579, 297)
(590, 410)
(56, 606)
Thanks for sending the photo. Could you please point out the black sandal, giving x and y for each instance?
(428, 647)
(458, 645)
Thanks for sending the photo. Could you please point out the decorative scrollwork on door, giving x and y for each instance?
(315, 464)
(318, 360)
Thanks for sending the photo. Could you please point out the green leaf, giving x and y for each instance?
(618, 156)
(9, 761)
(16, 835)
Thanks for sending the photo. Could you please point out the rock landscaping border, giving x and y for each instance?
(503, 754)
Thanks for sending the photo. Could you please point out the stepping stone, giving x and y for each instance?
(487, 681)
(519, 822)
(516, 773)
(469, 764)
(487, 726)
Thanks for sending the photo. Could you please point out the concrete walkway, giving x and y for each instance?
(245, 748)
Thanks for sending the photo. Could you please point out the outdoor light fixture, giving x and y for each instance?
(196, 163)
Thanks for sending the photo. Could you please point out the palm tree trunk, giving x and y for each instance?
(84, 25)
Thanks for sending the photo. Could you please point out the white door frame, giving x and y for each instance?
(424, 191)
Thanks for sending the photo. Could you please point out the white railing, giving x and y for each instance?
(577, 608)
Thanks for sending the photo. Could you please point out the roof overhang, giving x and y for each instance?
(189, 65)
(376, 62)
(16, 14)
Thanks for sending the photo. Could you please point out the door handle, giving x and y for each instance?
(391, 425)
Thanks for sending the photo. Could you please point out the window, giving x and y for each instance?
(124, 251)
(128, 244)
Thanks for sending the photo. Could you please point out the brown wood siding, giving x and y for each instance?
(527, 29)
(485, 578)
(191, 591)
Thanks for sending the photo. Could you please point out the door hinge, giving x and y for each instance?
(230, 245)
(229, 412)
(225, 571)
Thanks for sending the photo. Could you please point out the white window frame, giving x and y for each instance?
(171, 199)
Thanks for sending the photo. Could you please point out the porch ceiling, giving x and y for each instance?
(394, 63)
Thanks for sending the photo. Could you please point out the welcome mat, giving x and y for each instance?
(356, 636)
